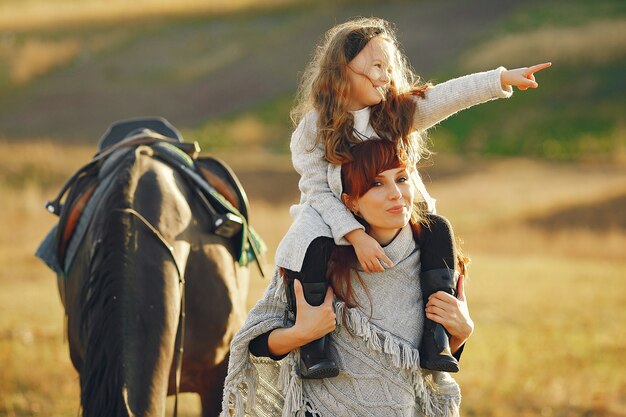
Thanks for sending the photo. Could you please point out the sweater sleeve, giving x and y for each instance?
(259, 347)
(445, 99)
(309, 161)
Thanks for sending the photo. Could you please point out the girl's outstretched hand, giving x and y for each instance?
(522, 78)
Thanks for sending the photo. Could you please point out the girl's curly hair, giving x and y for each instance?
(325, 88)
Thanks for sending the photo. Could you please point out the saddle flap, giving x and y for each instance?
(72, 210)
(224, 180)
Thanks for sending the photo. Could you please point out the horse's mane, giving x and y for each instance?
(101, 376)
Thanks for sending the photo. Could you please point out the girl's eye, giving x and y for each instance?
(376, 184)
(402, 179)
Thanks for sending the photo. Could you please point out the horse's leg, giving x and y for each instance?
(211, 390)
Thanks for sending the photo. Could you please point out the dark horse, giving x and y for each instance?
(150, 237)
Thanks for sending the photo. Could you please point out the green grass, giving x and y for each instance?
(577, 111)
(574, 114)
(560, 13)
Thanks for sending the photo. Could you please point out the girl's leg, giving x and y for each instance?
(438, 260)
(315, 362)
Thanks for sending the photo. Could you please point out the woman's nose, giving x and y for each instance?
(394, 192)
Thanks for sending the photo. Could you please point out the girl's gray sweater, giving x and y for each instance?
(320, 211)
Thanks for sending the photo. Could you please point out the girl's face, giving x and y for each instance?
(369, 73)
(387, 205)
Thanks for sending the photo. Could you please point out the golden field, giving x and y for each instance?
(547, 239)
(546, 295)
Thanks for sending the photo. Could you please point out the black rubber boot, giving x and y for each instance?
(314, 359)
(435, 352)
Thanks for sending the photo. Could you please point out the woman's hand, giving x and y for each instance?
(311, 323)
(452, 313)
(368, 251)
(522, 78)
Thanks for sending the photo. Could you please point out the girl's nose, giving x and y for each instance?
(384, 77)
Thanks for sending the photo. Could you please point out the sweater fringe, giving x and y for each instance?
(442, 399)
(233, 399)
(291, 385)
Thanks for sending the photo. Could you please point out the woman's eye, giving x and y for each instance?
(377, 184)
(403, 179)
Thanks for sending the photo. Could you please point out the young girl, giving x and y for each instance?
(359, 86)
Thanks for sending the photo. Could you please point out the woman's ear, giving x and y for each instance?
(349, 202)
(345, 199)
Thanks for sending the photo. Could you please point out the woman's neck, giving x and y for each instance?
(384, 236)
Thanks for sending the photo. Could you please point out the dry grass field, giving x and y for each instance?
(547, 295)
(547, 240)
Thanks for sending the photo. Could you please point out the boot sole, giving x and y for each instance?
(443, 366)
(319, 371)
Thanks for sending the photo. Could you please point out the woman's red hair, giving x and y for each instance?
(368, 160)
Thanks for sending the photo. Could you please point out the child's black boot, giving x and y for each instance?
(434, 350)
(315, 362)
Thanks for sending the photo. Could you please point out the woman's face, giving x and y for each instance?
(387, 205)
(369, 73)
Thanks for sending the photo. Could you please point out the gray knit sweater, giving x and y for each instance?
(376, 351)
(320, 181)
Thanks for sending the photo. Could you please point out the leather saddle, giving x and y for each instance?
(214, 183)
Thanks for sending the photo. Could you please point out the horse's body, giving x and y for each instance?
(123, 295)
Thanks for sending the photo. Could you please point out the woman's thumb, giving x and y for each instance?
(298, 292)
(460, 288)
(328, 299)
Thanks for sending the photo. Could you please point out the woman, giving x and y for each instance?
(376, 338)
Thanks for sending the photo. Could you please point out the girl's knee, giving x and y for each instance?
(438, 225)
(316, 260)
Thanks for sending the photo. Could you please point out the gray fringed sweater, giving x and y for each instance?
(320, 211)
(376, 351)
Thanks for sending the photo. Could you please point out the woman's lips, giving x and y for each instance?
(396, 209)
